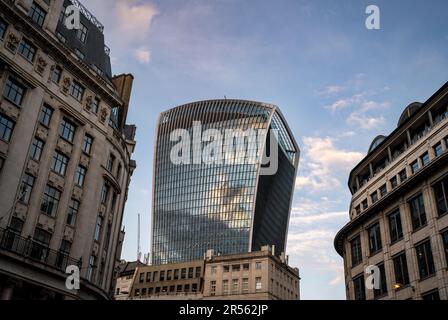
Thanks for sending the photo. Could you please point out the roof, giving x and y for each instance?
(128, 268)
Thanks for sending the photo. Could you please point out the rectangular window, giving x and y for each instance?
(80, 176)
(37, 14)
(365, 205)
(258, 265)
(50, 201)
(441, 195)
(235, 286)
(395, 227)
(245, 287)
(394, 182)
(401, 270)
(45, 115)
(3, 27)
(162, 276)
(61, 37)
(438, 150)
(190, 273)
(359, 288)
(87, 144)
(403, 175)
(73, 210)
(6, 128)
(236, 268)
(358, 209)
(104, 193)
(39, 248)
(79, 54)
(445, 245)
(91, 267)
(95, 105)
(98, 227)
(425, 260)
(183, 273)
(431, 296)
(375, 244)
(81, 33)
(383, 190)
(110, 163)
(226, 269)
(176, 274)
(225, 287)
(169, 275)
(213, 270)
(246, 266)
(14, 91)
(67, 130)
(198, 272)
(425, 159)
(356, 251)
(142, 277)
(418, 214)
(212, 288)
(374, 197)
(383, 283)
(77, 90)
(27, 50)
(26, 188)
(56, 74)
(148, 277)
(36, 149)
(59, 163)
(415, 167)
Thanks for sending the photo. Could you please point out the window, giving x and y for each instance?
(169, 275)
(6, 128)
(445, 244)
(401, 270)
(258, 265)
(245, 286)
(198, 272)
(246, 266)
(27, 50)
(258, 284)
(235, 286)
(383, 190)
(394, 182)
(67, 130)
(81, 33)
(63, 254)
(425, 260)
(26, 188)
(162, 276)
(148, 277)
(226, 269)
(141, 277)
(190, 273)
(236, 268)
(77, 90)
(61, 37)
(45, 115)
(183, 273)
(414, 166)
(56, 74)
(59, 163)
(110, 163)
(433, 295)
(359, 288)
(80, 175)
(375, 244)
(36, 149)
(356, 251)
(395, 228)
(104, 193)
(3, 27)
(37, 14)
(374, 197)
(39, 249)
(225, 287)
(213, 269)
(365, 205)
(212, 288)
(403, 175)
(73, 210)
(50, 201)
(91, 267)
(438, 149)
(383, 283)
(418, 214)
(95, 105)
(98, 227)
(358, 209)
(87, 144)
(79, 54)
(14, 91)
(441, 195)
(425, 159)
(97, 70)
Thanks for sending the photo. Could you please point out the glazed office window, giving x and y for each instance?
(438, 150)
(425, 260)
(148, 276)
(95, 105)
(235, 286)
(16, 225)
(356, 251)
(374, 233)
(395, 226)
(190, 273)
(213, 269)
(59, 163)
(212, 288)
(183, 273)
(374, 197)
(79, 54)
(403, 175)
(50, 201)
(98, 228)
(245, 286)
(142, 277)
(72, 214)
(359, 288)
(104, 193)
(394, 182)
(36, 149)
(3, 27)
(236, 268)
(56, 74)
(77, 90)
(45, 115)
(401, 270)
(27, 50)
(6, 128)
(225, 287)
(383, 191)
(246, 267)
(14, 91)
(26, 188)
(67, 130)
(87, 144)
(431, 296)
(383, 283)
(365, 205)
(110, 163)
(37, 14)
(358, 209)
(226, 269)
(418, 214)
(425, 159)
(81, 33)
(445, 244)
(91, 268)
(80, 176)
(441, 195)
(415, 167)
(61, 38)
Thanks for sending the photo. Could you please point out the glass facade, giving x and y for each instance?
(202, 206)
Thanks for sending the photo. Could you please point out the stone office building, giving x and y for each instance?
(65, 153)
(399, 209)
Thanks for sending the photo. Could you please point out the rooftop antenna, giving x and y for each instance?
(139, 252)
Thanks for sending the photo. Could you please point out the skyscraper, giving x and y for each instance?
(230, 207)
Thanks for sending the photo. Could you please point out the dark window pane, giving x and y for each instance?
(418, 214)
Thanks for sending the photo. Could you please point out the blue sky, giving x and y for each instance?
(338, 84)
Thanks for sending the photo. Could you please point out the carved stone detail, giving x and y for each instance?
(12, 42)
(66, 82)
(103, 115)
(89, 101)
(41, 65)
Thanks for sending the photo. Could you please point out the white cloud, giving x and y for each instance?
(134, 18)
(363, 121)
(331, 90)
(143, 55)
(346, 102)
(309, 219)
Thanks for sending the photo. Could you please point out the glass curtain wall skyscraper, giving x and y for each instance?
(227, 207)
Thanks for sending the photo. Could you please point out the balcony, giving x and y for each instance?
(27, 248)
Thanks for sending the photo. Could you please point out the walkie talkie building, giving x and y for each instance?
(228, 206)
